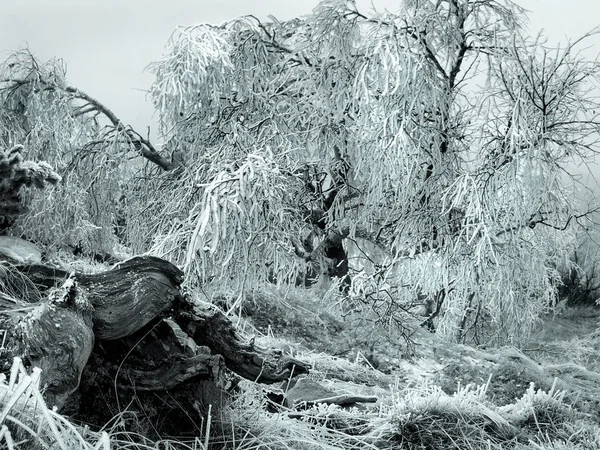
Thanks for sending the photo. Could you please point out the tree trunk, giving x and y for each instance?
(329, 259)
(128, 337)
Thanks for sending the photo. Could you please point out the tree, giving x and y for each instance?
(15, 174)
(439, 134)
(438, 138)
(85, 142)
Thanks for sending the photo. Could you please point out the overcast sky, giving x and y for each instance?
(107, 43)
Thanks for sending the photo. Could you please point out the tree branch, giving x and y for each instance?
(144, 146)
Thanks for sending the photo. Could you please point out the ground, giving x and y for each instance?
(375, 387)
(543, 395)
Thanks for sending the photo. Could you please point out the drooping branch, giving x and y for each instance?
(144, 146)
(25, 71)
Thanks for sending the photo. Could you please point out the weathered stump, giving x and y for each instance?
(54, 335)
(129, 337)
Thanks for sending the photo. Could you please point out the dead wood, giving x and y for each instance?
(125, 298)
(209, 326)
(149, 337)
(54, 335)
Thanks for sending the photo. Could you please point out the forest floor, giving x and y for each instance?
(428, 395)
(374, 386)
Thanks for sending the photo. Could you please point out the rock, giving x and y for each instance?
(17, 250)
(308, 392)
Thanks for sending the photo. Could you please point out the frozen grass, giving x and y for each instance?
(418, 417)
(422, 417)
(412, 413)
(27, 423)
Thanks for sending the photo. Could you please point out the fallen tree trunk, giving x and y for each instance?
(104, 340)
(125, 298)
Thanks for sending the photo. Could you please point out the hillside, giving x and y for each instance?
(369, 389)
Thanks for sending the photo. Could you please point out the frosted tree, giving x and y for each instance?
(439, 138)
(15, 174)
(423, 153)
(83, 140)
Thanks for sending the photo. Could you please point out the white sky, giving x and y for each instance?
(107, 43)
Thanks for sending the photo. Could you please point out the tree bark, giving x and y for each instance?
(129, 331)
(54, 335)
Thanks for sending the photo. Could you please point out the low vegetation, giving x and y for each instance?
(432, 395)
